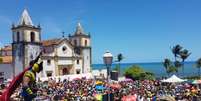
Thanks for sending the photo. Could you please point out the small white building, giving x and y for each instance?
(61, 56)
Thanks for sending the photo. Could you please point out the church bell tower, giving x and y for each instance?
(82, 44)
(26, 42)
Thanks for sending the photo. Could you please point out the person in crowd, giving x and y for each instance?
(29, 79)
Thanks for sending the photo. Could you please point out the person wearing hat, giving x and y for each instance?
(29, 79)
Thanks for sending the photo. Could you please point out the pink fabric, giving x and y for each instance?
(129, 98)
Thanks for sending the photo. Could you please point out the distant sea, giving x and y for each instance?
(156, 67)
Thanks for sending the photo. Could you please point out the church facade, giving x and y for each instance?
(61, 56)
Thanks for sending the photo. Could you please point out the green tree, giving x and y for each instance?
(137, 73)
(184, 54)
(116, 68)
(177, 65)
(119, 59)
(170, 67)
(167, 63)
(198, 65)
(176, 50)
(173, 69)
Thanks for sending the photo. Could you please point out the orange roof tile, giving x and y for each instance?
(50, 42)
(7, 48)
(7, 59)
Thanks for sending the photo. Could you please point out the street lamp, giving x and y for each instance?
(107, 58)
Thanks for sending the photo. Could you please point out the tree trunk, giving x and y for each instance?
(183, 67)
(175, 58)
(119, 69)
(199, 72)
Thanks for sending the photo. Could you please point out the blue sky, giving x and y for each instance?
(143, 30)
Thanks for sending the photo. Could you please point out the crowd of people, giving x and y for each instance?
(86, 90)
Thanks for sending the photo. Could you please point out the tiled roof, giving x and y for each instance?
(7, 59)
(7, 48)
(51, 42)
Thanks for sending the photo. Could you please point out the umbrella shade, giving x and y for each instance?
(173, 79)
(196, 82)
(115, 86)
(99, 82)
(77, 78)
(188, 81)
(98, 97)
(100, 87)
(129, 98)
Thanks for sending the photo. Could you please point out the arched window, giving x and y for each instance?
(32, 36)
(75, 42)
(85, 42)
(78, 62)
(18, 36)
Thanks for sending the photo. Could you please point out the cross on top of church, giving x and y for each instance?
(63, 34)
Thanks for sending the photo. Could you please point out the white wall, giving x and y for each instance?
(65, 62)
(18, 58)
(48, 67)
(78, 66)
(87, 59)
(67, 53)
(27, 34)
(18, 65)
(83, 42)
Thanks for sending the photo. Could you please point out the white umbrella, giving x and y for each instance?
(173, 79)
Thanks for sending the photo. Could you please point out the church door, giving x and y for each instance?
(65, 71)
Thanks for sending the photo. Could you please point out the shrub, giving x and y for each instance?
(137, 73)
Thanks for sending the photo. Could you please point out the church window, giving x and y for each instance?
(48, 62)
(18, 36)
(78, 71)
(85, 42)
(32, 36)
(75, 42)
(78, 62)
(49, 73)
(64, 48)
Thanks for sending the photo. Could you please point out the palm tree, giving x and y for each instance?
(184, 54)
(198, 65)
(176, 50)
(173, 69)
(119, 59)
(167, 63)
(177, 65)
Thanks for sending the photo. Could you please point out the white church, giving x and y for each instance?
(61, 56)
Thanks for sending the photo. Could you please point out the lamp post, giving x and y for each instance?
(107, 58)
